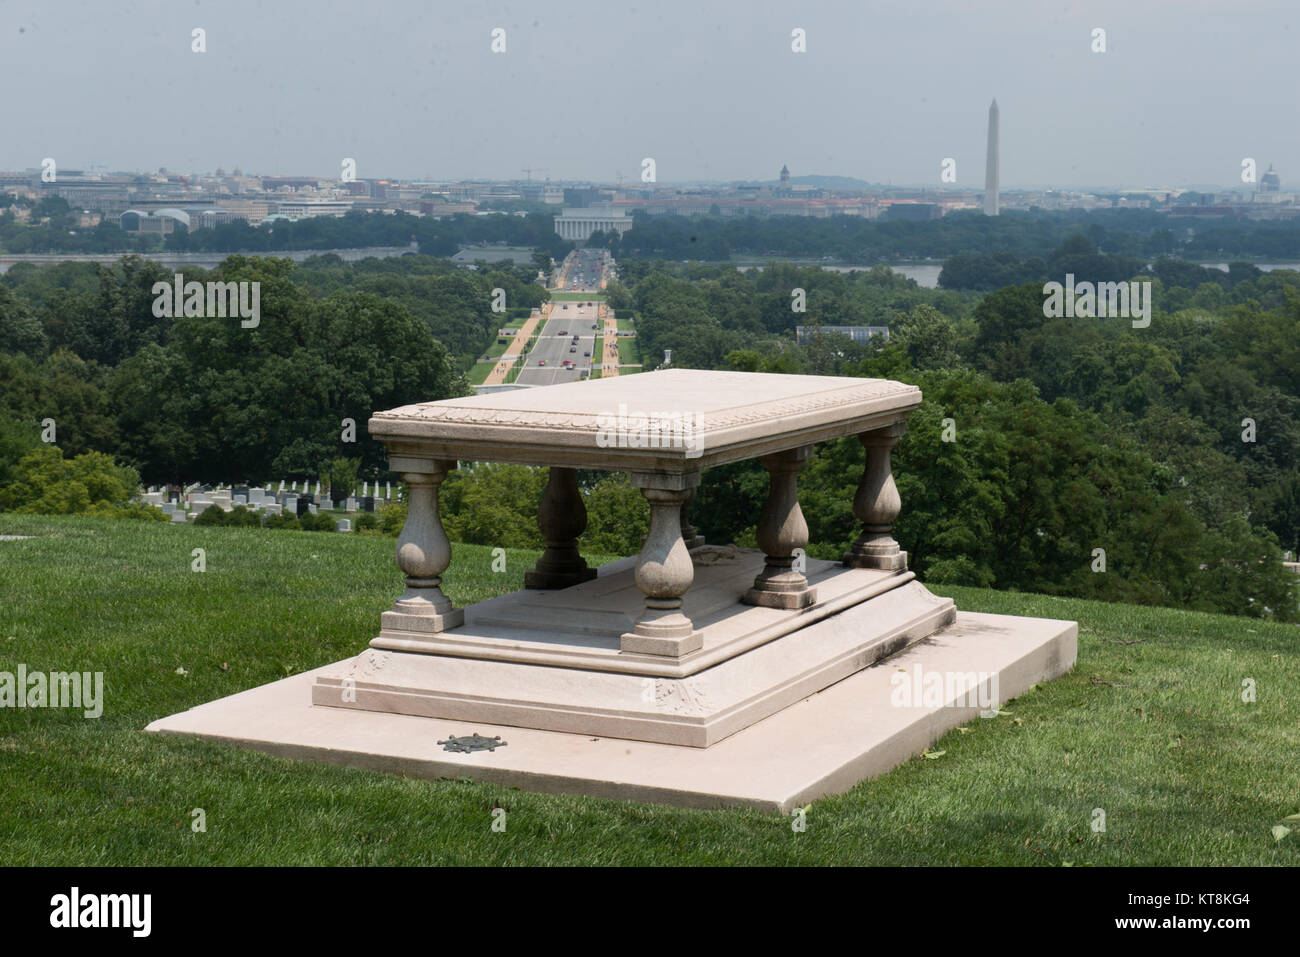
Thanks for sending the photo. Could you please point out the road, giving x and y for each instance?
(567, 319)
(583, 270)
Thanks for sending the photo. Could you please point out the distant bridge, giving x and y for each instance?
(203, 260)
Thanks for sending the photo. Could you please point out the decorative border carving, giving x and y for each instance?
(449, 412)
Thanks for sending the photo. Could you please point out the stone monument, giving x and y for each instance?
(690, 674)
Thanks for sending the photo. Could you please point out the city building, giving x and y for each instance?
(579, 224)
(309, 208)
(161, 222)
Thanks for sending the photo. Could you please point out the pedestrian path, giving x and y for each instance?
(498, 374)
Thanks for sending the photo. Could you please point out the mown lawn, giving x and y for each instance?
(1150, 728)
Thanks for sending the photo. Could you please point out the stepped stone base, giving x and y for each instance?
(822, 744)
(697, 710)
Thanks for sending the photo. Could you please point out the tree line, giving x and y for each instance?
(205, 399)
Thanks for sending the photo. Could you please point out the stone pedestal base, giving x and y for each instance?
(893, 562)
(422, 624)
(822, 744)
(662, 631)
(537, 579)
(781, 599)
(696, 710)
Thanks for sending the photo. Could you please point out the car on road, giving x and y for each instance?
(564, 332)
(586, 353)
(573, 348)
(541, 362)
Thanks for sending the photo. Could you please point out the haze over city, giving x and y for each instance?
(585, 91)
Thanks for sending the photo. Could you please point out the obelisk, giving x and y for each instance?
(991, 165)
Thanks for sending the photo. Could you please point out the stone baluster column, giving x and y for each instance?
(664, 571)
(690, 534)
(877, 504)
(781, 531)
(562, 518)
(423, 554)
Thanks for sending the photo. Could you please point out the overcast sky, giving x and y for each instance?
(710, 90)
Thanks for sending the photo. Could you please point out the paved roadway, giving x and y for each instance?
(577, 319)
(586, 268)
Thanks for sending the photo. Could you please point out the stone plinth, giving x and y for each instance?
(554, 660)
(686, 673)
(823, 744)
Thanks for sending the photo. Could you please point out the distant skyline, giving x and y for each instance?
(1185, 90)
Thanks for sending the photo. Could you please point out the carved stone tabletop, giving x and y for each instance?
(724, 416)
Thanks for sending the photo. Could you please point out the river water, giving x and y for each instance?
(927, 274)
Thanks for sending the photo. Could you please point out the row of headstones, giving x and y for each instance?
(185, 505)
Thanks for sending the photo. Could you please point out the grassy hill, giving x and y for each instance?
(1150, 727)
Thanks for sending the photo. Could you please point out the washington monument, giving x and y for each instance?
(991, 167)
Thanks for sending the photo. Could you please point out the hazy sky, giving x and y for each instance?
(710, 90)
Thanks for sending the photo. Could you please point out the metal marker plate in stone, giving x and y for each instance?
(473, 742)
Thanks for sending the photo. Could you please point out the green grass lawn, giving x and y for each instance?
(1149, 727)
(628, 351)
(478, 372)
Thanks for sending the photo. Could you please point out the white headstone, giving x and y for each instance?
(311, 507)
(343, 525)
(178, 517)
